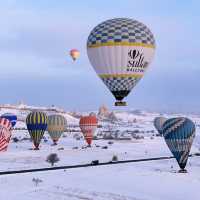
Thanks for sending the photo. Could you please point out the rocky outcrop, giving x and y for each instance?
(106, 115)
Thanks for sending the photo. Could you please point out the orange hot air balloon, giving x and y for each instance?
(74, 53)
(88, 125)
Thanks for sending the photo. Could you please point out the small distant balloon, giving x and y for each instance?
(36, 123)
(5, 133)
(11, 117)
(158, 123)
(74, 53)
(179, 134)
(88, 125)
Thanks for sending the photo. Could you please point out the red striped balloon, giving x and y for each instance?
(88, 125)
(5, 133)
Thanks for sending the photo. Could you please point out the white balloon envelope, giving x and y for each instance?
(120, 51)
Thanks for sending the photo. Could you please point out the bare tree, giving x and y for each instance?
(52, 159)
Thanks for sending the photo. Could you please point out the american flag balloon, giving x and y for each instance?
(5, 133)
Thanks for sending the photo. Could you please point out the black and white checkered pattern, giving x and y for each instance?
(118, 84)
(121, 30)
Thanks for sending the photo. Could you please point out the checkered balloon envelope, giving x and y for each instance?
(120, 50)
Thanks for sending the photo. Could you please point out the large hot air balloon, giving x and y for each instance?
(158, 123)
(5, 133)
(120, 51)
(56, 126)
(36, 123)
(74, 53)
(11, 117)
(88, 125)
(179, 134)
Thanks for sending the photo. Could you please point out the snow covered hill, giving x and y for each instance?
(23, 110)
(129, 135)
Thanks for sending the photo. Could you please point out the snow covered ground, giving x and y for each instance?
(154, 180)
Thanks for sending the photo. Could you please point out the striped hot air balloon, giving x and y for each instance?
(56, 126)
(179, 134)
(11, 117)
(36, 123)
(74, 53)
(88, 125)
(120, 50)
(158, 123)
(5, 133)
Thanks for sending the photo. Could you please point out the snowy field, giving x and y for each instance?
(152, 180)
(144, 180)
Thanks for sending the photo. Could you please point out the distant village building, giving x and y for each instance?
(112, 116)
(103, 111)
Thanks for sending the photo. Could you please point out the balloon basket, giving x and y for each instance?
(120, 103)
(182, 171)
(36, 149)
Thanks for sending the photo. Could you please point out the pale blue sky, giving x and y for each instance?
(36, 36)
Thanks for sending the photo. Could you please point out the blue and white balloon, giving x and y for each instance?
(158, 123)
(179, 134)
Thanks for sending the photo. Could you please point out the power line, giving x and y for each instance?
(94, 163)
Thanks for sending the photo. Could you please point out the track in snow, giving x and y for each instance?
(61, 193)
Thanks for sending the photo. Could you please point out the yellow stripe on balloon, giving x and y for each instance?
(121, 75)
(34, 118)
(111, 43)
(42, 117)
(39, 118)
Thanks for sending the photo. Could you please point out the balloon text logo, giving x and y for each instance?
(136, 60)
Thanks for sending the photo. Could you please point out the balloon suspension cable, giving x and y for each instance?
(120, 103)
